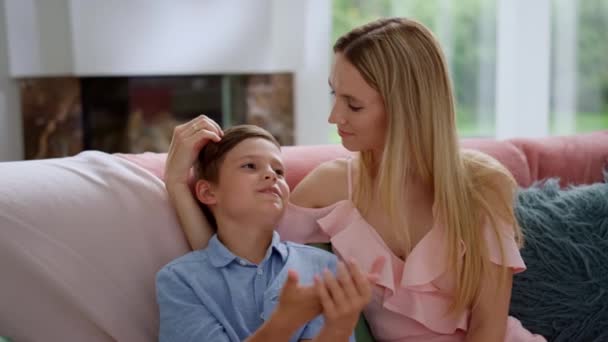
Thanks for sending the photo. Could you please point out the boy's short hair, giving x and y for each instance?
(212, 156)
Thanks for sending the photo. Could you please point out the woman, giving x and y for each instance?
(443, 218)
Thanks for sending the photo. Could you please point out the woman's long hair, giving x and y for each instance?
(403, 61)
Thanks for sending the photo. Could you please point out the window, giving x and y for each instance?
(579, 66)
(467, 33)
(551, 74)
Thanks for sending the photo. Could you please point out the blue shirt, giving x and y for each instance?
(213, 295)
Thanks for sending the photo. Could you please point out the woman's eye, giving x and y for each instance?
(249, 166)
(354, 108)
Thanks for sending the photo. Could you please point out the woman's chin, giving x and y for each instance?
(350, 146)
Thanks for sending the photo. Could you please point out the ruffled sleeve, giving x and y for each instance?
(426, 265)
(506, 239)
(300, 225)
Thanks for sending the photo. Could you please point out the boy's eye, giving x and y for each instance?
(249, 166)
(279, 172)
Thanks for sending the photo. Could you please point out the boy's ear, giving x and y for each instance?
(205, 192)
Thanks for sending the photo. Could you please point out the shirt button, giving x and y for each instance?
(242, 262)
(260, 272)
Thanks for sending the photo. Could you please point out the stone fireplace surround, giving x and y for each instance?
(65, 115)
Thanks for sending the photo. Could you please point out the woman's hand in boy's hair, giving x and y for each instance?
(298, 304)
(187, 141)
(343, 297)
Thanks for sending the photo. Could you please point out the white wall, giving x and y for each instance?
(169, 37)
(11, 139)
(312, 100)
(522, 68)
(140, 37)
(39, 37)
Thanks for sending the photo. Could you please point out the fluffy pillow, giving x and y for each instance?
(81, 240)
(563, 295)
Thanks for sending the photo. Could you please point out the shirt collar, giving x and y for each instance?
(220, 256)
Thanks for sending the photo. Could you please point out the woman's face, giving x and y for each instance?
(358, 109)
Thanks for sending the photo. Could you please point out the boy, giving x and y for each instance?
(244, 284)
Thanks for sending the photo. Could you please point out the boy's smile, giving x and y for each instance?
(273, 191)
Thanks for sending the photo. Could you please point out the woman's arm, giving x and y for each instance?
(489, 317)
(188, 139)
(190, 215)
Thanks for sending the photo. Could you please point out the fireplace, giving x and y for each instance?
(65, 115)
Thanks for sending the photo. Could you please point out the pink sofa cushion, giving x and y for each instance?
(81, 240)
(300, 160)
(577, 159)
(528, 160)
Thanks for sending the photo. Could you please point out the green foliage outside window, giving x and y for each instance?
(470, 30)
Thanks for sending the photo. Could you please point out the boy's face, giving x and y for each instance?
(251, 183)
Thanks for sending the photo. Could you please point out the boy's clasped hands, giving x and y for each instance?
(340, 299)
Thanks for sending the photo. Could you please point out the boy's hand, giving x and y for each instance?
(297, 304)
(343, 297)
(188, 140)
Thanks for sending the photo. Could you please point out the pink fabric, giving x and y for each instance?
(153, 162)
(575, 159)
(528, 160)
(81, 240)
(410, 298)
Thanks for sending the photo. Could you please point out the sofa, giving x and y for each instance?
(82, 237)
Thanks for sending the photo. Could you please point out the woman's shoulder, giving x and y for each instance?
(475, 158)
(323, 186)
(485, 171)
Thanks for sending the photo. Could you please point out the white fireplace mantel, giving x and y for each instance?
(167, 37)
(140, 37)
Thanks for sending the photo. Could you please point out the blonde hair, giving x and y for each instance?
(401, 59)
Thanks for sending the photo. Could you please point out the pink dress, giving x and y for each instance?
(410, 298)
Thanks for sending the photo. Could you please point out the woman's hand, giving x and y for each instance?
(343, 297)
(188, 140)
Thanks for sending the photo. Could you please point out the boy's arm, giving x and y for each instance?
(316, 331)
(343, 298)
(183, 317)
(276, 329)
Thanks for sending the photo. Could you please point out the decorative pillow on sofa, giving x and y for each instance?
(81, 240)
(563, 295)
